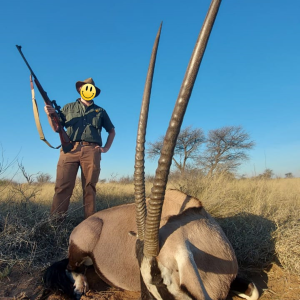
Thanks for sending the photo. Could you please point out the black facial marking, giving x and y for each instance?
(158, 281)
(155, 275)
(145, 294)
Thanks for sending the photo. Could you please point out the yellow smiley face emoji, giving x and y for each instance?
(88, 92)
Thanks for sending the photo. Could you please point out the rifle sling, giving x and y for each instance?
(37, 120)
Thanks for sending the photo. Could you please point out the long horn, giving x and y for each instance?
(151, 246)
(139, 174)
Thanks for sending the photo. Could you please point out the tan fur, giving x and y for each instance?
(194, 249)
(201, 253)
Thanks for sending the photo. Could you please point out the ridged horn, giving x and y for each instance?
(139, 174)
(151, 243)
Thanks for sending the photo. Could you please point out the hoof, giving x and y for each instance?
(80, 284)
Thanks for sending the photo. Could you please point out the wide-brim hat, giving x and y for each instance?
(90, 81)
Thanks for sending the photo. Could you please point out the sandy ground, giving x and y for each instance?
(273, 284)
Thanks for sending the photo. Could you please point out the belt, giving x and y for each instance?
(84, 143)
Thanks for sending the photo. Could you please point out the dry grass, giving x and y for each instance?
(29, 237)
(260, 217)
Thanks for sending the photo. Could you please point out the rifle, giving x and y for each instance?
(66, 144)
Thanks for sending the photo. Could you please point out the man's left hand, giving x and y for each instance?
(102, 149)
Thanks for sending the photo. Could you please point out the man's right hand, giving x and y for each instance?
(49, 110)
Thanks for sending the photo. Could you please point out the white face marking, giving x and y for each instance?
(146, 273)
(172, 286)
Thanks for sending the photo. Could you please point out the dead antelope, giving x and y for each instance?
(167, 248)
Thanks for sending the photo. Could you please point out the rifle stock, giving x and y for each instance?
(66, 144)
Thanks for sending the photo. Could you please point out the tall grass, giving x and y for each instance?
(260, 218)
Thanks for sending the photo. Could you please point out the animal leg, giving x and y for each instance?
(80, 283)
(75, 265)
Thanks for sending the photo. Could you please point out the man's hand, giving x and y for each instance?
(102, 149)
(49, 110)
(110, 138)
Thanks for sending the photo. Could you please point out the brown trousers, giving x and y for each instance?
(88, 158)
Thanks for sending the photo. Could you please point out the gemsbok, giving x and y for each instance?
(167, 247)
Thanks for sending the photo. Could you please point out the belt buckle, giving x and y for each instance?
(84, 143)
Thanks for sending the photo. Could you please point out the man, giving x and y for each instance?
(84, 121)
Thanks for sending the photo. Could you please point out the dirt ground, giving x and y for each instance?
(273, 284)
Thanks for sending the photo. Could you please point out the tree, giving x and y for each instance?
(267, 174)
(225, 149)
(187, 147)
(289, 175)
(43, 178)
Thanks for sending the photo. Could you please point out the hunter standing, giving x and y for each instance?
(84, 121)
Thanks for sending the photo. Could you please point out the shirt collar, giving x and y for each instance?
(79, 100)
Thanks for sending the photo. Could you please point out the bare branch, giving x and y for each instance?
(29, 177)
(187, 147)
(5, 164)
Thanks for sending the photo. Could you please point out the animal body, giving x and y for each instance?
(194, 251)
(169, 247)
(120, 268)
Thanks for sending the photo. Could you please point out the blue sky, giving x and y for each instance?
(250, 73)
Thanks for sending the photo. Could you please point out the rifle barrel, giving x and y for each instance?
(64, 138)
(26, 62)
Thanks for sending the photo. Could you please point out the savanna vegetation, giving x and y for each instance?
(259, 215)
